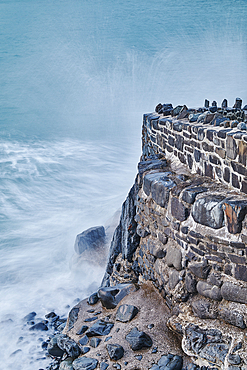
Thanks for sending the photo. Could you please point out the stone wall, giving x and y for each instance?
(187, 233)
(213, 151)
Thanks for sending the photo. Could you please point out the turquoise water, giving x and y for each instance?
(75, 79)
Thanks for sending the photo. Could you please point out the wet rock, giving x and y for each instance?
(90, 238)
(66, 364)
(138, 339)
(94, 342)
(190, 283)
(174, 258)
(84, 340)
(208, 211)
(53, 348)
(242, 126)
(209, 291)
(29, 317)
(82, 330)
(93, 299)
(68, 345)
(85, 363)
(178, 210)
(235, 211)
(126, 313)
(156, 249)
(235, 293)
(232, 317)
(189, 194)
(111, 296)
(73, 315)
(39, 326)
(99, 328)
(203, 309)
(200, 269)
(115, 351)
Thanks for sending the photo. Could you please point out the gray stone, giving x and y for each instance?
(138, 339)
(235, 293)
(231, 317)
(115, 351)
(189, 194)
(190, 283)
(174, 258)
(231, 147)
(103, 366)
(84, 340)
(203, 309)
(66, 364)
(194, 117)
(90, 239)
(68, 345)
(99, 328)
(85, 363)
(150, 178)
(156, 249)
(126, 312)
(174, 279)
(215, 351)
(234, 359)
(39, 326)
(160, 191)
(85, 350)
(209, 291)
(214, 278)
(178, 210)
(200, 269)
(29, 317)
(53, 348)
(111, 296)
(94, 342)
(208, 211)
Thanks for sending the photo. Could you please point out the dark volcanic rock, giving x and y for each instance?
(138, 339)
(84, 340)
(53, 348)
(126, 312)
(93, 299)
(235, 211)
(190, 283)
(111, 296)
(73, 315)
(90, 238)
(99, 328)
(85, 363)
(94, 342)
(189, 194)
(178, 210)
(115, 351)
(29, 317)
(82, 330)
(160, 190)
(169, 362)
(208, 211)
(68, 345)
(39, 326)
(156, 249)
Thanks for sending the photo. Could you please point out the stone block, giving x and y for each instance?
(226, 174)
(232, 317)
(204, 309)
(174, 258)
(190, 283)
(208, 211)
(235, 181)
(189, 194)
(235, 211)
(200, 269)
(156, 249)
(209, 291)
(160, 191)
(233, 292)
(231, 147)
(208, 170)
(154, 177)
(241, 272)
(178, 210)
(242, 152)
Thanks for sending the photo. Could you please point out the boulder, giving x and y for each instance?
(115, 351)
(190, 283)
(53, 348)
(90, 239)
(138, 339)
(208, 211)
(85, 363)
(68, 345)
(126, 313)
(39, 326)
(111, 296)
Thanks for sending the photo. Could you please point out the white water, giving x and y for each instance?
(75, 78)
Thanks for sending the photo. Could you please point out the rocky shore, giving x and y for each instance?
(174, 294)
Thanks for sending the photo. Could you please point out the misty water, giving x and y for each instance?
(75, 79)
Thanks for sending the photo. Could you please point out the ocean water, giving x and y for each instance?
(75, 79)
